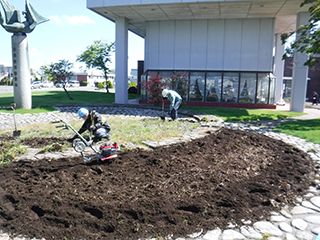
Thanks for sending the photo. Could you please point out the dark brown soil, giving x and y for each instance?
(227, 177)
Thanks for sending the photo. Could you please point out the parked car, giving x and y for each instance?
(60, 84)
(36, 84)
(47, 84)
(74, 83)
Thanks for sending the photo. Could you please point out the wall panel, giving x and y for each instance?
(152, 51)
(232, 47)
(266, 44)
(215, 44)
(199, 36)
(182, 45)
(166, 44)
(227, 45)
(250, 44)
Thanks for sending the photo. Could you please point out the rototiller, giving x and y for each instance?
(103, 150)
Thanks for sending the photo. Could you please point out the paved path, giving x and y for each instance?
(298, 222)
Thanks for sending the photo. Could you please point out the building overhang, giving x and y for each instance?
(139, 12)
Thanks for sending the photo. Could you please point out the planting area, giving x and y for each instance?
(227, 177)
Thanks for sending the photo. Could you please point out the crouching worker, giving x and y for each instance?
(175, 101)
(94, 123)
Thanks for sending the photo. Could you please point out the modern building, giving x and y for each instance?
(313, 78)
(5, 70)
(221, 45)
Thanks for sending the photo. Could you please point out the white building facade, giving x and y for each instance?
(221, 45)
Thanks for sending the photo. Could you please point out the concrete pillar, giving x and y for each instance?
(299, 72)
(21, 71)
(279, 68)
(121, 61)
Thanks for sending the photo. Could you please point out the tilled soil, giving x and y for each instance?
(227, 177)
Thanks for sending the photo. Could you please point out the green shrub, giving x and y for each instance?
(133, 84)
(100, 85)
(132, 90)
(109, 84)
(83, 83)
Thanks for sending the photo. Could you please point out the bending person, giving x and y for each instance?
(94, 123)
(175, 100)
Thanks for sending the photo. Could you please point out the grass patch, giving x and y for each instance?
(235, 114)
(40, 130)
(305, 129)
(44, 98)
(9, 151)
(136, 130)
(123, 131)
(55, 147)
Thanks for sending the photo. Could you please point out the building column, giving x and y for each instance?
(121, 61)
(299, 72)
(279, 68)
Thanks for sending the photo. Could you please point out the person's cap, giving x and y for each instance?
(165, 92)
(82, 112)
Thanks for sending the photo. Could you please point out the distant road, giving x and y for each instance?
(9, 89)
(6, 89)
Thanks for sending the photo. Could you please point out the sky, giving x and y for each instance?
(71, 29)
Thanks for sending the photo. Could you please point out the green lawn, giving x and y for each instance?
(306, 129)
(235, 114)
(48, 98)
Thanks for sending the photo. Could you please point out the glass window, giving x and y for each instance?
(180, 82)
(149, 74)
(230, 87)
(263, 88)
(143, 91)
(287, 88)
(247, 87)
(216, 87)
(272, 89)
(213, 87)
(197, 81)
(166, 75)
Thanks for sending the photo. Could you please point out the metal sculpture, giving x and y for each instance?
(11, 22)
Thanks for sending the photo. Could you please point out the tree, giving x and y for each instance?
(98, 55)
(45, 73)
(309, 35)
(33, 74)
(61, 72)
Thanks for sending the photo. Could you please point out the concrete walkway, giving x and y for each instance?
(311, 111)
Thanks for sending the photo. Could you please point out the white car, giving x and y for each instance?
(60, 85)
(74, 83)
(47, 84)
(36, 84)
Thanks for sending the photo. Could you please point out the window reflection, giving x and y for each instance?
(287, 88)
(143, 91)
(166, 75)
(272, 89)
(263, 88)
(220, 87)
(197, 81)
(247, 87)
(214, 81)
(230, 87)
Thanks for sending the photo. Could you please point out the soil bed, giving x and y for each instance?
(227, 177)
